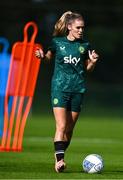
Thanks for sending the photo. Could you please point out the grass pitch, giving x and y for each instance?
(101, 135)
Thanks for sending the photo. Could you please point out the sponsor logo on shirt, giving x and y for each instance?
(71, 60)
(62, 47)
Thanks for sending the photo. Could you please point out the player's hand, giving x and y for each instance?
(39, 53)
(93, 56)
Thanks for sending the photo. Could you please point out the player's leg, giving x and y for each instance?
(59, 104)
(60, 115)
(72, 118)
(65, 122)
(72, 115)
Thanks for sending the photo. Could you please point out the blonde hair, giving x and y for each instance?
(61, 25)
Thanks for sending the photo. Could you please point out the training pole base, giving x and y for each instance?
(2, 149)
(5, 149)
(16, 150)
(10, 149)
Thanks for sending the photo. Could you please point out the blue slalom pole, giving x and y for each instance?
(4, 70)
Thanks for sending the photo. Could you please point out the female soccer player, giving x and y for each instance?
(73, 57)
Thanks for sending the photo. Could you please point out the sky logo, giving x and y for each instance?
(71, 60)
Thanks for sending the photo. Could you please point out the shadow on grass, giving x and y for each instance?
(114, 172)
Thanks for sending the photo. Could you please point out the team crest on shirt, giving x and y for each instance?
(81, 49)
(55, 101)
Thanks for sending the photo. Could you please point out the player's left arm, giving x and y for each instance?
(91, 62)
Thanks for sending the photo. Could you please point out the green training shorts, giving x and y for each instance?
(69, 100)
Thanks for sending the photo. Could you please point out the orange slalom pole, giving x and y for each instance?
(15, 92)
(26, 77)
(24, 47)
(11, 123)
(16, 132)
(25, 84)
(27, 89)
(12, 115)
(21, 102)
(21, 133)
(31, 93)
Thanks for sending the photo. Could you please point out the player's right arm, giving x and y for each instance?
(40, 54)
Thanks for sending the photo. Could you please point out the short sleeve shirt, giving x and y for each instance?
(69, 71)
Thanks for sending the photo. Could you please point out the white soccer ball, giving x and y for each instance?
(93, 163)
